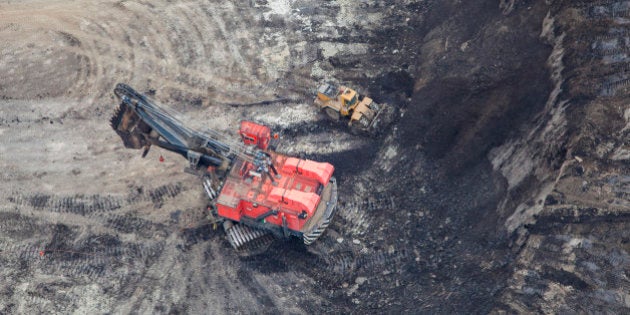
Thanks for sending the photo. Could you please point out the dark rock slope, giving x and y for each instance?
(521, 109)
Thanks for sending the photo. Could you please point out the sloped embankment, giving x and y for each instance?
(523, 117)
(572, 226)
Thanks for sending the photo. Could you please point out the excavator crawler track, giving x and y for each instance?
(313, 234)
(247, 240)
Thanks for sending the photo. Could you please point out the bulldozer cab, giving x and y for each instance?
(348, 98)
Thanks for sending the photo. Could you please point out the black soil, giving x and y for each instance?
(467, 78)
(475, 100)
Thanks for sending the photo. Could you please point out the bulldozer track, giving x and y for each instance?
(129, 224)
(612, 12)
(341, 264)
(605, 45)
(349, 263)
(611, 34)
(12, 223)
(81, 261)
(557, 217)
(621, 67)
(199, 234)
(82, 205)
(39, 249)
(592, 262)
(613, 86)
(158, 195)
(610, 51)
(358, 214)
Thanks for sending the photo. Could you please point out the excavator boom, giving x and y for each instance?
(140, 123)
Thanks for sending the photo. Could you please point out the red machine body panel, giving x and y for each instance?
(293, 195)
(311, 169)
(255, 134)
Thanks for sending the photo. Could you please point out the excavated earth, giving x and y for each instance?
(503, 185)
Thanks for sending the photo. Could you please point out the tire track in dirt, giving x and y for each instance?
(78, 257)
(348, 264)
(85, 258)
(16, 225)
(345, 250)
(104, 41)
(358, 213)
(77, 252)
(609, 43)
(331, 263)
(87, 205)
(232, 49)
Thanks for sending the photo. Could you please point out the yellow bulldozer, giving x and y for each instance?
(363, 112)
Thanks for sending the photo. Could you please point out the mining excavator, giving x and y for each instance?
(364, 114)
(252, 190)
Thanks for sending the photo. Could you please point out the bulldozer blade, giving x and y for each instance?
(382, 119)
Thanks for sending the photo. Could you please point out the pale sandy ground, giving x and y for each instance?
(66, 177)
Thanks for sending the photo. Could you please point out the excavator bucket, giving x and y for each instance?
(140, 123)
(130, 127)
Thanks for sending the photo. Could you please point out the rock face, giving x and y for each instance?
(524, 113)
(572, 225)
(546, 107)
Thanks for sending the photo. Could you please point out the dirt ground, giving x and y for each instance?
(502, 186)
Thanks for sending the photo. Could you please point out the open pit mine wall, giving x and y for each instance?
(567, 204)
